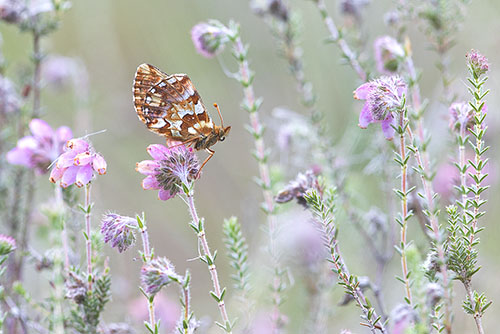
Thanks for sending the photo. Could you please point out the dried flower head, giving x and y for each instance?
(461, 116)
(9, 99)
(78, 164)
(7, 244)
(157, 273)
(274, 8)
(388, 54)
(118, 231)
(76, 289)
(41, 148)
(209, 38)
(297, 188)
(171, 167)
(434, 294)
(478, 64)
(392, 18)
(384, 97)
(431, 264)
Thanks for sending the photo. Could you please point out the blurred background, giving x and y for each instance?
(111, 38)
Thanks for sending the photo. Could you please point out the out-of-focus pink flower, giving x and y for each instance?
(403, 317)
(384, 97)
(171, 167)
(209, 38)
(7, 244)
(461, 115)
(388, 53)
(41, 148)
(274, 8)
(17, 11)
(477, 62)
(78, 164)
(353, 7)
(167, 311)
(9, 99)
(59, 71)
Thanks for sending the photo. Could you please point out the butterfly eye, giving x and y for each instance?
(222, 138)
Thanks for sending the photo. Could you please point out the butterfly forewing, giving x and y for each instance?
(169, 105)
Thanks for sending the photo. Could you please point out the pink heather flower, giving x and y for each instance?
(461, 115)
(41, 148)
(404, 318)
(7, 244)
(17, 11)
(209, 38)
(118, 231)
(275, 8)
(384, 97)
(171, 167)
(9, 99)
(388, 53)
(157, 273)
(353, 7)
(477, 62)
(59, 71)
(78, 164)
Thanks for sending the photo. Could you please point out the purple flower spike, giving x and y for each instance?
(477, 62)
(170, 168)
(388, 53)
(209, 38)
(7, 244)
(41, 148)
(118, 231)
(78, 164)
(157, 273)
(384, 97)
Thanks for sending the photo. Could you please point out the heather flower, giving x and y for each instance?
(9, 99)
(461, 115)
(41, 148)
(157, 273)
(297, 188)
(273, 8)
(18, 11)
(477, 63)
(392, 18)
(388, 53)
(384, 97)
(59, 71)
(404, 317)
(171, 167)
(118, 231)
(209, 38)
(7, 244)
(76, 288)
(434, 294)
(78, 164)
(353, 7)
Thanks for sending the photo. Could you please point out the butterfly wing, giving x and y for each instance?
(169, 105)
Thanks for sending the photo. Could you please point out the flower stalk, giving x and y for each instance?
(88, 241)
(147, 256)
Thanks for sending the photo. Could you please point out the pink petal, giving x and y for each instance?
(66, 159)
(362, 92)
(41, 129)
(20, 156)
(99, 164)
(147, 167)
(63, 134)
(69, 176)
(56, 174)
(387, 128)
(28, 142)
(83, 176)
(82, 159)
(150, 182)
(78, 145)
(157, 151)
(365, 117)
(165, 194)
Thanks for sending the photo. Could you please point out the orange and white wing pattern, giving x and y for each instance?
(169, 105)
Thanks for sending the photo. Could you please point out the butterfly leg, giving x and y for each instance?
(211, 152)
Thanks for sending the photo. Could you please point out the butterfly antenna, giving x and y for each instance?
(220, 115)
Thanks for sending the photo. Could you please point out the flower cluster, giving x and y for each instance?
(388, 53)
(78, 164)
(477, 62)
(209, 38)
(157, 273)
(18, 11)
(461, 115)
(171, 167)
(7, 244)
(40, 149)
(118, 231)
(384, 97)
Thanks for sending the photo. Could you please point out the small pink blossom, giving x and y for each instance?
(77, 164)
(388, 53)
(384, 97)
(477, 63)
(7, 244)
(209, 38)
(41, 148)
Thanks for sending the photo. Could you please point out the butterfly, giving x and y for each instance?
(170, 106)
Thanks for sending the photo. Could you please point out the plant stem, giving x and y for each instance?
(148, 257)
(88, 239)
(477, 316)
(341, 42)
(37, 60)
(208, 255)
